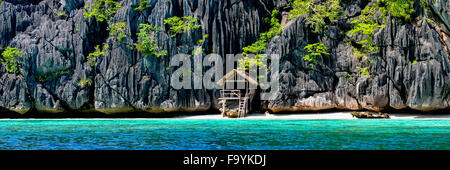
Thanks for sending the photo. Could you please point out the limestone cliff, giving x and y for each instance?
(412, 70)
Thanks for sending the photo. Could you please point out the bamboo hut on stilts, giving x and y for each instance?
(234, 103)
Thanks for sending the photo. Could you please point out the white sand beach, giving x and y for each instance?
(334, 115)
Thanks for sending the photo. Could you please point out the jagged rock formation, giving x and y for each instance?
(126, 81)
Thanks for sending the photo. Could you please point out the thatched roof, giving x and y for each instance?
(232, 74)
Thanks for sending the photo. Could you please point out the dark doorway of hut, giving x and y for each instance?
(235, 103)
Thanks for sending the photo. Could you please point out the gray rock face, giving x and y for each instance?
(56, 45)
(442, 9)
(395, 82)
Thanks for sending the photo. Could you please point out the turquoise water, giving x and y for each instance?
(183, 134)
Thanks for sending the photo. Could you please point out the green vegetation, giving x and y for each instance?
(118, 30)
(85, 82)
(147, 41)
(258, 48)
(314, 51)
(10, 59)
(178, 25)
(197, 51)
(46, 77)
(318, 13)
(200, 41)
(363, 71)
(60, 13)
(77, 28)
(92, 57)
(402, 9)
(142, 5)
(373, 17)
(348, 75)
(367, 23)
(431, 20)
(102, 10)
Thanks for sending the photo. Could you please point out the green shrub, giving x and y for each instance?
(371, 19)
(197, 51)
(178, 25)
(85, 82)
(363, 71)
(147, 41)
(118, 30)
(46, 77)
(142, 5)
(60, 13)
(259, 47)
(314, 51)
(316, 12)
(348, 75)
(10, 59)
(402, 9)
(92, 57)
(200, 41)
(102, 10)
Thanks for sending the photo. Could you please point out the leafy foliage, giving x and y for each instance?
(198, 50)
(147, 41)
(348, 75)
(60, 13)
(316, 12)
(46, 77)
(367, 23)
(200, 41)
(85, 82)
(118, 30)
(142, 5)
(92, 57)
(364, 71)
(10, 59)
(372, 18)
(178, 25)
(402, 9)
(260, 46)
(102, 10)
(314, 51)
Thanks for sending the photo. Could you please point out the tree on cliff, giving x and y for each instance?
(11, 59)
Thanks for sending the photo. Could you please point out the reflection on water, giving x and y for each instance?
(224, 134)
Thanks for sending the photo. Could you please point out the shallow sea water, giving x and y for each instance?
(185, 134)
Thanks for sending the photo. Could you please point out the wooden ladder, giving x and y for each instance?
(242, 106)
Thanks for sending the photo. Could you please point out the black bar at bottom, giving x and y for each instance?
(222, 159)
